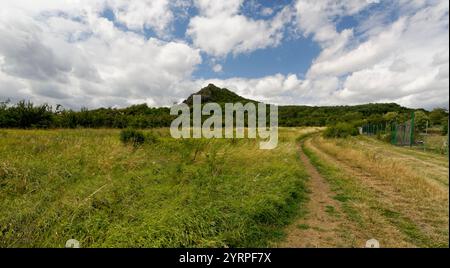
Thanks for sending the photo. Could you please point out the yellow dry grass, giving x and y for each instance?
(407, 194)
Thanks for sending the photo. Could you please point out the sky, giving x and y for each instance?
(116, 53)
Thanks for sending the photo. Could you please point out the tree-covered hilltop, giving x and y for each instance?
(27, 115)
(211, 93)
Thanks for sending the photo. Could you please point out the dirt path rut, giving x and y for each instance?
(324, 223)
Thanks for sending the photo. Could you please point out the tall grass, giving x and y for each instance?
(87, 185)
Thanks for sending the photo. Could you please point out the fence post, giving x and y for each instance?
(411, 139)
(394, 134)
(404, 133)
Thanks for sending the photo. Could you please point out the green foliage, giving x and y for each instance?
(83, 184)
(437, 116)
(131, 136)
(352, 116)
(25, 115)
(211, 93)
(341, 130)
(420, 121)
(290, 116)
(151, 137)
(141, 116)
(444, 125)
(391, 117)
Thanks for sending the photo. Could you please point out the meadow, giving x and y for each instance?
(85, 184)
(310, 191)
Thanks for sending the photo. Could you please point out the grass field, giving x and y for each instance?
(434, 143)
(85, 184)
(309, 192)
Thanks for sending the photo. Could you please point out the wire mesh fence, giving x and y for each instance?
(407, 134)
(374, 129)
(402, 134)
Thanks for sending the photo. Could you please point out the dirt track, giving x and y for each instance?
(325, 224)
(395, 208)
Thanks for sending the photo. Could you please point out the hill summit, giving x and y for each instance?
(212, 93)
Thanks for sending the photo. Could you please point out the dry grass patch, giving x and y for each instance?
(415, 203)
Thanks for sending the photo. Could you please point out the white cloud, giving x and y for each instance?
(217, 68)
(88, 61)
(220, 29)
(157, 15)
(211, 8)
(267, 11)
(407, 62)
(368, 53)
(317, 17)
(65, 52)
(400, 61)
(138, 15)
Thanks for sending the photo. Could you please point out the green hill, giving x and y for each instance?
(212, 93)
(301, 115)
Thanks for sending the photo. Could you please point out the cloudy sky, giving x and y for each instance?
(114, 53)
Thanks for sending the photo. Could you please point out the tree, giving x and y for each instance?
(437, 116)
(421, 119)
(391, 117)
(3, 114)
(352, 116)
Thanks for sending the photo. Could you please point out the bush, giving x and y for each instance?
(132, 136)
(444, 126)
(151, 137)
(341, 130)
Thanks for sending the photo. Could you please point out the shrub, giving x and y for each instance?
(444, 126)
(151, 137)
(132, 136)
(341, 130)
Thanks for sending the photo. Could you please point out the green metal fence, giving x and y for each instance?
(402, 134)
(374, 129)
(407, 134)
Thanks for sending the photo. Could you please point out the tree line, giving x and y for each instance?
(25, 114)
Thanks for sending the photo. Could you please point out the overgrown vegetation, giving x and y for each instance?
(84, 184)
(26, 115)
(340, 130)
(132, 136)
